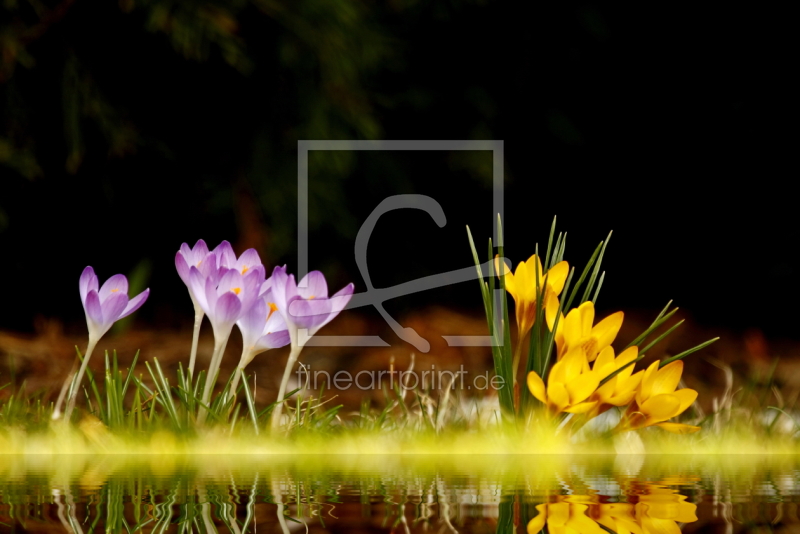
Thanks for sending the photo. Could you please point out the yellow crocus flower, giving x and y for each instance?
(577, 329)
(570, 384)
(656, 512)
(621, 389)
(653, 514)
(563, 518)
(522, 286)
(656, 401)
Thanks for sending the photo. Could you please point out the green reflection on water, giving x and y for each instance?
(403, 494)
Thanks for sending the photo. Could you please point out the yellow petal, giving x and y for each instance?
(604, 359)
(557, 373)
(574, 363)
(631, 383)
(536, 387)
(537, 523)
(582, 407)
(558, 514)
(502, 270)
(606, 330)
(557, 276)
(500, 267)
(679, 428)
(625, 357)
(525, 282)
(586, 312)
(647, 382)
(621, 399)
(660, 408)
(667, 378)
(580, 522)
(557, 396)
(526, 315)
(573, 331)
(551, 309)
(606, 391)
(660, 526)
(687, 397)
(581, 387)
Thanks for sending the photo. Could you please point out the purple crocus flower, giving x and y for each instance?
(108, 304)
(262, 329)
(103, 307)
(226, 302)
(227, 258)
(208, 264)
(307, 305)
(198, 256)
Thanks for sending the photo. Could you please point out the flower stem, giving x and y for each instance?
(63, 393)
(76, 383)
(278, 411)
(211, 378)
(198, 320)
(238, 373)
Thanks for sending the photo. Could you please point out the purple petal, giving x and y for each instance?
(207, 264)
(309, 314)
(279, 279)
(185, 250)
(92, 307)
(182, 267)
(197, 287)
(266, 287)
(225, 255)
(251, 285)
(227, 310)
(113, 307)
(135, 303)
(273, 340)
(210, 297)
(340, 299)
(251, 324)
(116, 284)
(87, 282)
(248, 260)
(230, 281)
(313, 286)
(200, 249)
(275, 323)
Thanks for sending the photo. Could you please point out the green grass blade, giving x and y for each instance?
(662, 336)
(686, 353)
(271, 407)
(547, 258)
(595, 271)
(583, 276)
(251, 405)
(130, 373)
(659, 320)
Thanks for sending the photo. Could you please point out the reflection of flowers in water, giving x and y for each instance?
(658, 511)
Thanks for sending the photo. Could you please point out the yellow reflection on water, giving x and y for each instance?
(397, 494)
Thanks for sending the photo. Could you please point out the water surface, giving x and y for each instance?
(399, 494)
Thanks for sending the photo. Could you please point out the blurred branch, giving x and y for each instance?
(15, 37)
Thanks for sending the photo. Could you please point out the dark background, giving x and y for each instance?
(127, 128)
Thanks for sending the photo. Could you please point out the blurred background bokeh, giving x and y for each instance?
(127, 128)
